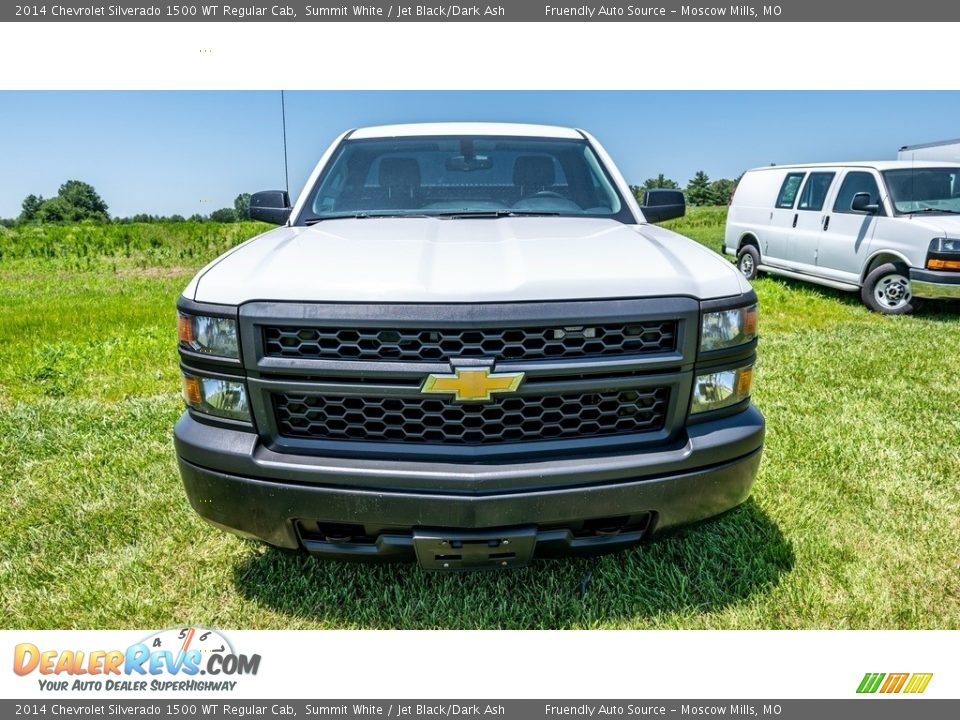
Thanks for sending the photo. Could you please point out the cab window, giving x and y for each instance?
(788, 191)
(815, 191)
(853, 183)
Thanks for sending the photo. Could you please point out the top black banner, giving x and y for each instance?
(507, 11)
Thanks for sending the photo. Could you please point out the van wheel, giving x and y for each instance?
(887, 290)
(748, 260)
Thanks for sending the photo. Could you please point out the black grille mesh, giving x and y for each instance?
(511, 418)
(419, 345)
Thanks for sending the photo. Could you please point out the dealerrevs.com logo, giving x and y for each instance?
(178, 659)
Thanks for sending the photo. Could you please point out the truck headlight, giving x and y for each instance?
(216, 396)
(945, 245)
(721, 388)
(728, 328)
(948, 250)
(210, 335)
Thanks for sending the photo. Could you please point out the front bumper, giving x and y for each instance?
(238, 484)
(934, 284)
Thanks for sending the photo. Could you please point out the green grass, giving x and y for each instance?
(93, 247)
(854, 521)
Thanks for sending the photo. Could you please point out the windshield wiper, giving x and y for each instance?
(931, 209)
(364, 216)
(495, 214)
(441, 216)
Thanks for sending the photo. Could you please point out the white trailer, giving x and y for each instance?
(942, 151)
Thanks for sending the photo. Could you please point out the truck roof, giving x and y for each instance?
(466, 128)
(875, 164)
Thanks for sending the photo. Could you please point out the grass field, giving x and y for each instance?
(854, 521)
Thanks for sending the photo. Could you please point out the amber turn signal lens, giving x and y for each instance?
(744, 381)
(185, 329)
(938, 264)
(191, 390)
(750, 321)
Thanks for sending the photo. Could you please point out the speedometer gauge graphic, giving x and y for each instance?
(182, 639)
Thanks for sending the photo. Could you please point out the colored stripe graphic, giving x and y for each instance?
(870, 683)
(894, 683)
(918, 682)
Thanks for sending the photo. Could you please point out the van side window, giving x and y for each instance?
(815, 191)
(788, 191)
(853, 183)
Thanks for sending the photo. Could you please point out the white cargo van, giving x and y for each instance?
(889, 229)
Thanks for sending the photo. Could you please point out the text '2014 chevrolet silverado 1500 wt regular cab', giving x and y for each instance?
(466, 344)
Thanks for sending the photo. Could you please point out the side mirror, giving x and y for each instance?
(861, 203)
(663, 204)
(272, 206)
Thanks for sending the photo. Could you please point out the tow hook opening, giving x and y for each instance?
(337, 533)
(610, 526)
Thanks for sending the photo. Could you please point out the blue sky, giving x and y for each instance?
(186, 152)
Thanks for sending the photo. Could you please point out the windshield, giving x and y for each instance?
(463, 175)
(924, 189)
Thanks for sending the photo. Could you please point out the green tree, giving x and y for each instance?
(660, 182)
(722, 191)
(241, 206)
(75, 201)
(56, 210)
(31, 204)
(698, 190)
(87, 203)
(224, 215)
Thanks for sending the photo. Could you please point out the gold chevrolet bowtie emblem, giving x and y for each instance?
(472, 385)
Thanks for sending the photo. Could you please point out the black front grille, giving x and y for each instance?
(514, 418)
(426, 345)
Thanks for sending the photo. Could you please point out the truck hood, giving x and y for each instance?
(465, 260)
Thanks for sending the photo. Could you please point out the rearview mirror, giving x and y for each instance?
(661, 204)
(272, 206)
(465, 163)
(861, 203)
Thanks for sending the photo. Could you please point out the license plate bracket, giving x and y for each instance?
(445, 550)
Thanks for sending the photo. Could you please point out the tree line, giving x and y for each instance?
(77, 201)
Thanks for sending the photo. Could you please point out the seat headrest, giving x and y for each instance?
(399, 172)
(533, 170)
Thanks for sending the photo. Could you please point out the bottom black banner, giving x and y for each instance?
(873, 707)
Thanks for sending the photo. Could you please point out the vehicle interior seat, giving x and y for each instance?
(400, 178)
(533, 174)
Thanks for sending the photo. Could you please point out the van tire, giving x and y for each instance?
(887, 290)
(748, 261)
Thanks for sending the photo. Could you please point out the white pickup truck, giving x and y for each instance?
(467, 344)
